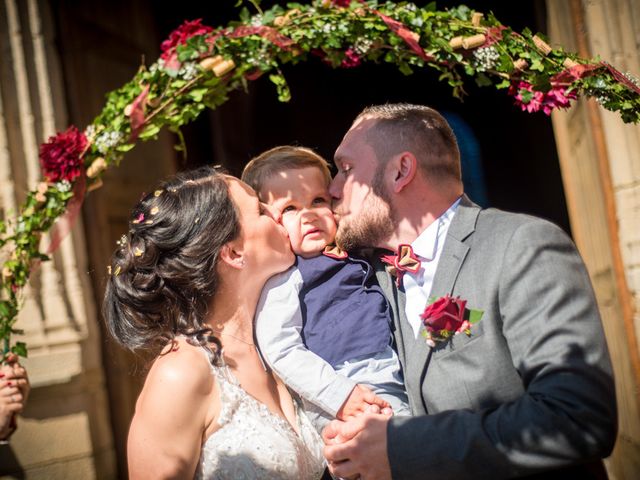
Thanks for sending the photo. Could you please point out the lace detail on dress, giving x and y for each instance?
(254, 443)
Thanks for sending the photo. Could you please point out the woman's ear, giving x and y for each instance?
(404, 167)
(232, 255)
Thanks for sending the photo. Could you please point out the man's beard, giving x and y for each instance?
(374, 224)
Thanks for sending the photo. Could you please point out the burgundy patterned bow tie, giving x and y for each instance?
(402, 261)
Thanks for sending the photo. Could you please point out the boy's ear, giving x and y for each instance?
(232, 255)
(404, 167)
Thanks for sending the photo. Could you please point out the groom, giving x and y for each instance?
(531, 390)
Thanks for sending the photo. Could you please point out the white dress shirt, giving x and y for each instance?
(428, 248)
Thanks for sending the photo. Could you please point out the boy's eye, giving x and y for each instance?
(288, 208)
(345, 169)
(320, 201)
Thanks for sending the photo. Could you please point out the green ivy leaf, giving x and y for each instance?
(20, 348)
(483, 81)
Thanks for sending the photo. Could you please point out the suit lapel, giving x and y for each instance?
(451, 260)
(455, 250)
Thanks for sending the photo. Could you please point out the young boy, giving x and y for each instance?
(323, 325)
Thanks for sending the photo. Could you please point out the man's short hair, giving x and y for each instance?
(417, 129)
(286, 157)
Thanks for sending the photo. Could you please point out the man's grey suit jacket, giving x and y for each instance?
(531, 390)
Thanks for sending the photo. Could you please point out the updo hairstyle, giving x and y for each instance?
(163, 275)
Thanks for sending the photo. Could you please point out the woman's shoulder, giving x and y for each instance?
(181, 370)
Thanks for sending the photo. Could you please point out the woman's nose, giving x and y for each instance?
(273, 212)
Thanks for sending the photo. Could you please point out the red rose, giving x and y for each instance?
(60, 157)
(180, 36)
(446, 313)
(351, 59)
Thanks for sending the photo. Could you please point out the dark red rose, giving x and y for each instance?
(446, 313)
(60, 157)
(180, 36)
(341, 3)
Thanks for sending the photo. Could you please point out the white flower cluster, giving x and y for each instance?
(256, 20)
(362, 45)
(90, 133)
(156, 66)
(485, 59)
(188, 71)
(63, 186)
(258, 57)
(328, 28)
(602, 99)
(107, 140)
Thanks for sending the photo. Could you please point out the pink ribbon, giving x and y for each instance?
(65, 223)
(405, 34)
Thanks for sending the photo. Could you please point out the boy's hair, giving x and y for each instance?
(264, 166)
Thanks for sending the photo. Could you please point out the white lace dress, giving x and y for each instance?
(253, 443)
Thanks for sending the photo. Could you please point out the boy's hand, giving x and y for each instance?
(361, 400)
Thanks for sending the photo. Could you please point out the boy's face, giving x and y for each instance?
(302, 197)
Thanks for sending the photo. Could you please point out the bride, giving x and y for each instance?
(184, 286)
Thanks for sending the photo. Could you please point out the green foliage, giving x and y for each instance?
(177, 96)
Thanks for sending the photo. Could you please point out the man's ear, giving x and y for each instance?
(232, 255)
(404, 167)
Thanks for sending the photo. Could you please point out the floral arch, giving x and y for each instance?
(200, 65)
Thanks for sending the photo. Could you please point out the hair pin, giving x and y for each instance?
(154, 210)
(157, 193)
(139, 219)
(137, 252)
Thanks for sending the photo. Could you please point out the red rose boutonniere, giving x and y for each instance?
(447, 316)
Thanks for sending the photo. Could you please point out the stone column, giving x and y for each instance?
(64, 431)
(600, 161)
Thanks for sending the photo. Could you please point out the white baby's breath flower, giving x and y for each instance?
(484, 59)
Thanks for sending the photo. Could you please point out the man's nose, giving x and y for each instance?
(335, 188)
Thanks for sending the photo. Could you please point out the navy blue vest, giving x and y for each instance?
(345, 314)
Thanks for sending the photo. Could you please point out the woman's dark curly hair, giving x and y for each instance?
(163, 275)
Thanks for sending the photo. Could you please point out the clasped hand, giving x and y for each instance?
(356, 443)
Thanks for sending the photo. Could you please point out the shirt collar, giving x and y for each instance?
(426, 245)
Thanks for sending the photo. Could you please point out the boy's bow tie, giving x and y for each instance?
(402, 261)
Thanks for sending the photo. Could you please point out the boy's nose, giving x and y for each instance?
(308, 214)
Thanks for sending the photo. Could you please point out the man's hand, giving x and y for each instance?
(358, 447)
(361, 400)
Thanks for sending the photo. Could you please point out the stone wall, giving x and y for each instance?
(64, 431)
